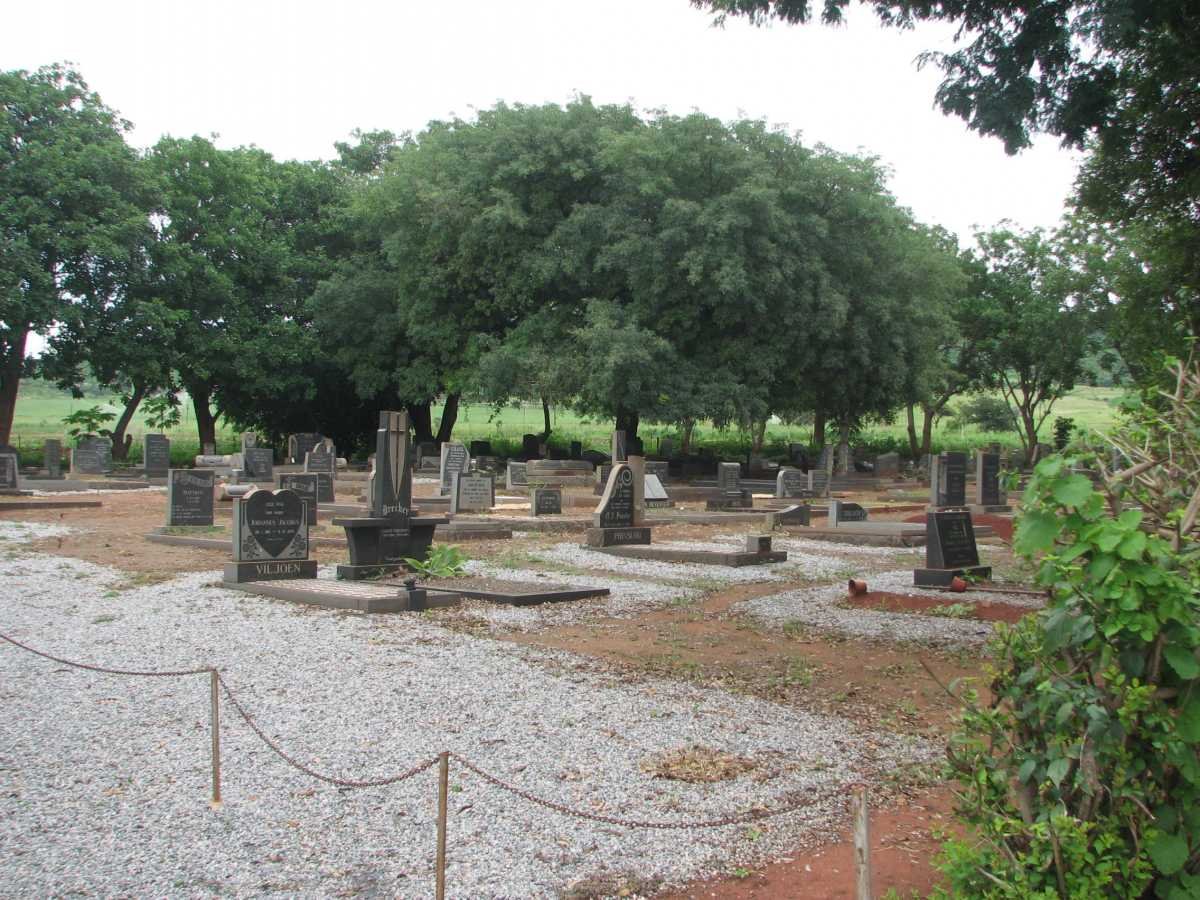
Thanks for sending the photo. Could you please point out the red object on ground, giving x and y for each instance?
(958, 585)
(857, 587)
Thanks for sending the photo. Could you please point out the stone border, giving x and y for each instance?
(734, 559)
(48, 504)
(550, 593)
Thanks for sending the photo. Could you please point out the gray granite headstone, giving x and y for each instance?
(98, 455)
(950, 486)
(10, 479)
(515, 475)
(790, 483)
(300, 444)
(472, 492)
(52, 458)
(156, 455)
(655, 494)
(887, 464)
(305, 484)
(190, 496)
(546, 501)
(455, 459)
(322, 458)
(259, 463)
(620, 447)
(729, 477)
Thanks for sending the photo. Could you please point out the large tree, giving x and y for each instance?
(73, 208)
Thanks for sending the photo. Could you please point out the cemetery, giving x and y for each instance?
(585, 499)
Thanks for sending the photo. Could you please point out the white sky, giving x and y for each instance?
(293, 77)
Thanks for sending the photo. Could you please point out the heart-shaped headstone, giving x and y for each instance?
(273, 518)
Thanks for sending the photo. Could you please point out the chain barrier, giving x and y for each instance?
(295, 763)
(736, 819)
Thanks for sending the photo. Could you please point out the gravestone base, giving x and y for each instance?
(366, 539)
(617, 537)
(7, 492)
(800, 514)
(660, 504)
(362, 597)
(269, 570)
(943, 577)
(979, 510)
(743, 499)
(352, 572)
(731, 558)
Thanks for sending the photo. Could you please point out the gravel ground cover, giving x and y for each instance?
(153, 489)
(104, 779)
(675, 573)
(820, 607)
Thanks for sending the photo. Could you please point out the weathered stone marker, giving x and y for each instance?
(190, 497)
(948, 480)
(10, 477)
(258, 464)
(156, 455)
(950, 550)
(52, 458)
(306, 486)
(300, 444)
(791, 483)
(472, 492)
(455, 460)
(841, 512)
(615, 519)
(546, 501)
(515, 476)
(270, 538)
(800, 514)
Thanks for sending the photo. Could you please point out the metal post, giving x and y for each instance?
(214, 689)
(862, 842)
(443, 790)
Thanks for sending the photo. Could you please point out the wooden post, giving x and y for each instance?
(215, 717)
(862, 842)
(443, 790)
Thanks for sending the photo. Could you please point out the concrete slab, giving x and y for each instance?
(732, 558)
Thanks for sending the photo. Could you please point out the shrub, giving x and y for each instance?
(986, 413)
(1081, 777)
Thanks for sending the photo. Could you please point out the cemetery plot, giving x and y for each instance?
(518, 593)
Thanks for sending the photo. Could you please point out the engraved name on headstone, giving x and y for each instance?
(190, 496)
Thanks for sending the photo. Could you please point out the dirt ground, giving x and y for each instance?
(875, 684)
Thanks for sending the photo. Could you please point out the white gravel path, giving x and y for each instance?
(104, 780)
(676, 573)
(820, 607)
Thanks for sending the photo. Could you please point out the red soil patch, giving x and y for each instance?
(986, 610)
(1001, 525)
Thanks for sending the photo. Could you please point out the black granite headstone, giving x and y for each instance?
(987, 479)
(270, 525)
(950, 541)
(616, 507)
(530, 445)
(258, 463)
(546, 502)
(190, 496)
(300, 444)
(321, 458)
(952, 479)
(156, 455)
(576, 451)
(305, 485)
(481, 448)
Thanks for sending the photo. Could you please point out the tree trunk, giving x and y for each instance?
(927, 430)
(545, 420)
(120, 441)
(913, 449)
(819, 428)
(1031, 440)
(449, 417)
(844, 464)
(627, 421)
(10, 381)
(685, 442)
(206, 422)
(421, 417)
(758, 435)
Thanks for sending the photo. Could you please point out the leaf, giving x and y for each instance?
(1133, 546)
(1182, 660)
(1057, 770)
(1026, 770)
(1036, 531)
(1073, 490)
(1168, 852)
(1188, 722)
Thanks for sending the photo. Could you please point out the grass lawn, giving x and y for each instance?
(41, 408)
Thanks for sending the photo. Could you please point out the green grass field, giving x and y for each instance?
(41, 408)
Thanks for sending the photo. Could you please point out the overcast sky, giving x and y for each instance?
(293, 77)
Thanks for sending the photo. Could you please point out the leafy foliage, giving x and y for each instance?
(88, 420)
(1082, 776)
(442, 561)
(987, 412)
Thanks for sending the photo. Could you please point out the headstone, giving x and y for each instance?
(887, 465)
(270, 538)
(656, 496)
(791, 483)
(546, 501)
(797, 453)
(156, 455)
(455, 459)
(818, 482)
(300, 444)
(208, 448)
(615, 519)
(325, 489)
(514, 476)
(481, 448)
(259, 463)
(603, 470)
(52, 458)
(305, 486)
(530, 445)
(85, 461)
(620, 451)
(950, 486)
(729, 478)
(666, 447)
(249, 441)
(576, 451)
(102, 447)
(322, 458)
(637, 465)
(987, 479)
(391, 487)
(950, 549)
(472, 492)
(190, 496)
(10, 479)
(758, 543)
(658, 468)
(841, 512)
(800, 514)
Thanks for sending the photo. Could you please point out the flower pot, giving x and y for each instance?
(858, 587)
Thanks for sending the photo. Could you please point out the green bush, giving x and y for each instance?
(987, 413)
(1081, 777)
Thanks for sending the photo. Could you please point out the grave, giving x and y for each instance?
(576, 450)
(156, 455)
(325, 490)
(620, 447)
(791, 483)
(729, 483)
(52, 458)
(603, 470)
(258, 464)
(659, 468)
(352, 596)
(618, 520)
(380, 542)
(757, 552)
(300, 444)
(655, 494)
(514, 593)
(948, 480)
(472, 492)
(799, 514)
(950, 550)
(516, 476)
(455, 459)
(305, 484)
(841, 512)
(270, 538)
(10, 477)
(530, 446)
(546, 501)
(481, 448)
(190, 497)
(989, 494)
(322, 458)
(559, 472)
(90, 458)
(887, 465)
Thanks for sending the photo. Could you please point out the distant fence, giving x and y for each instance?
(218, 685)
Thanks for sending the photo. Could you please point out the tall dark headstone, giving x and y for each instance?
(270, 538)
(950, 550)
(620, 447)
(455, 460)
(987, 479)
(322, 458)
(300, 444)
(156, 455)
(950, 486)
(190, 497)
(305, 485)
(52, 458)
(531, 447)
(10, 479)
(258, 464)
(576, 450)
(615, 520)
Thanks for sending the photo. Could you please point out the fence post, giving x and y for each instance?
(862, 842)
(443, 790)
(214, 691)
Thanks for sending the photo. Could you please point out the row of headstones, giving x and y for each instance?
(948, 480)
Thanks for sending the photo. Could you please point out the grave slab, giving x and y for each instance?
(514, 593)
(732, 558)
(355, 596)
